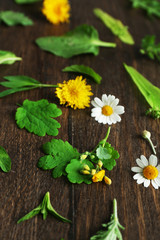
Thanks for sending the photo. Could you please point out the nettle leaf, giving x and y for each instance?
(83, 39)
(151, 7)
(27, 1)
(149, 48)
(74, 168)
(5, 161)
(115, 25)
(59, 155)
(37, 117)
(108, 156)
(84, 70)
(12, 18)
(8, 57)
(150, 92)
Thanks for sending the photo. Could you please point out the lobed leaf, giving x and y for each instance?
(12, 18)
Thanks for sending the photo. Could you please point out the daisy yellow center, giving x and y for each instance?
(150, 172)
(107, 110)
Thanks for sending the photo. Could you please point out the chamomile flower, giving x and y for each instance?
(147, 171)
(106, 110)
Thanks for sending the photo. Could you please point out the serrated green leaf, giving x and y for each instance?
(84, 70)
(37, 117)
(62, 153)
(150, 92)
(8, 57)
(74, 168)
(44, 208)
(152, 7)
(115, 25)
(12, 18)
(83, 39)
(149, 48)
(5, 161)
(113, 232)
(27, 1)
(103, 153)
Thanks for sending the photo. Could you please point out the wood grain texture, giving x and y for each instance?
(88, 206)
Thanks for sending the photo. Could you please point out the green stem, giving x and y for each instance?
(103, 44)
(152, 146)
(46, 85)
(107, 135)
(115, 209)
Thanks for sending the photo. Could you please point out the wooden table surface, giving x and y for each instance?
(88, 206)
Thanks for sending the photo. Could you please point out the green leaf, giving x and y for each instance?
(149, 48)
(8, 57)
(59, 155)
(5, 161)
(74, 168)
(83, 39)
(27, 1)
(115, 25)
(44, 208)
(84, 70)
(37, 117)
(103, 153)
(12, 18)
(151, 7)
(112, 232)
(150, 92)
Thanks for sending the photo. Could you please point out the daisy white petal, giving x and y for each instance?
(137, 176)
(154, 184)
(144, 160)
(99, 102)
(157, 180)
(140, 163)
(137, 169)
(153, 160)
(117, 117)
(114, 103)
(146, 183)
(94, 104)
(140, 180)
(158, 167)
(110, 99)
(104, 98)
(119, 109)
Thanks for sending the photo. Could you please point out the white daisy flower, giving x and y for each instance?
(106, 110)
(147, 171)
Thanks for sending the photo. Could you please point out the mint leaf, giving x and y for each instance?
(150, 92)
(44, 208)
(84, 70)
(149, 48)
(83, 39)
(151, 7)
(5, 161)
(59, 155)
(115, 25)
(26, 1)
(8, 57)
(74, 168)
(113, 226)
(12, 18)
(37, 117)
(108, 156)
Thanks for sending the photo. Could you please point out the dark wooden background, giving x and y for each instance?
(88, 206)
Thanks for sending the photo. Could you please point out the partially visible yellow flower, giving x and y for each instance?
(74, 93)
(98, 177)
(56, 11)
(107, 180)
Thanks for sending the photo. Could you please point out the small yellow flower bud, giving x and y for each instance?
(100, 164)
(86, 167)
(92, 156)
(107, 180)
(85, 172)
(93, 171)
(98, 177)
(83, 156)
(146, 134)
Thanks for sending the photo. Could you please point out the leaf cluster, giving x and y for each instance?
(149, 48)
(84, 70)
(44, 208)
(12, 18)
(83, 39)
(115, 25)
(152, 7)
(150, 92)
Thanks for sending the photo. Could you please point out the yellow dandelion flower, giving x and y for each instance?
(74, 93)
(56, 11)
(98, 177)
